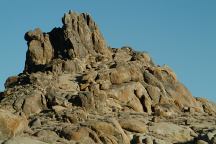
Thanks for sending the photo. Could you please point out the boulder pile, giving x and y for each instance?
(75, 89)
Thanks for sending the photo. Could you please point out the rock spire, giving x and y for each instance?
(79, 37)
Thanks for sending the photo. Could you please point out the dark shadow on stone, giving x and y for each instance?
(142, 100)
(24, 80)
(113, 66)
(58, 43)
(76, 101)
(188, 142)
(1, 96)
(32, 68)
(80, 80)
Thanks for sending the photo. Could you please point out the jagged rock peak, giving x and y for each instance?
(79, 38)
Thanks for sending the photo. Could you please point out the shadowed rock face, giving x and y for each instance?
(76, 89)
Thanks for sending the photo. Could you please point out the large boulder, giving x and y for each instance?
(11, 125)
(172, 132)
(40, 49)
(23, 140)
(133, 125)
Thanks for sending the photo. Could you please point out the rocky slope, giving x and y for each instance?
(75, 89)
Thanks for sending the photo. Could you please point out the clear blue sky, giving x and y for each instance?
(179, 33)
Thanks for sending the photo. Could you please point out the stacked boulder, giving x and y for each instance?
(74, 88)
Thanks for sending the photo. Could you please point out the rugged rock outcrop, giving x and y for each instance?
(78, 38)
(76, 89)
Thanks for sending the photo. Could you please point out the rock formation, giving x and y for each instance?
(76, 89)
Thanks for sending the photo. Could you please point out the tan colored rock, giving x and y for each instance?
(84, 35)
(78, 38)
(75, 89)
(133, 95)
(165, 110)
(125, 93)
(172, 132)
(23, 140)
(75, 116)
(47, 136)
(120, 75)
(35, 122)
(154, 93)
(90, 76)
(142, 139)
(123, 54)
(111, 128)
(73, 66)
(165, 74)
(171, 91)
(182, 97)
(11, 125)
(40, 50)
(135, 72)
(84, 86)
(104, 75)
(41, 79)
(143, 57)
(11, 81)
(151, 79)
(100, 100)
(201, 142)
(79, 134)
(58, 108)
(104, 85)
(33, 103)
(126, 72)
(133, 125)
(85, 100)
(66, 83)
(83, 135)
(208, 107)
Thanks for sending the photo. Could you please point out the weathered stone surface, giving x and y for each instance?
(120, 75)
(23, 140)
(33, 103)
(78, 134)
(172, 132)
(74, 89)
(10, 124)
(125, 94)
(111, 128)
(11, 81)
(201, 142)
(66, 83)
(208, 107)
(78, 38)
(133, 125)
(73, 66)
(124, 54)
(47, 136)
(40, 50)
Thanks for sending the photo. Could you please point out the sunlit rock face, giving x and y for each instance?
(76, 89)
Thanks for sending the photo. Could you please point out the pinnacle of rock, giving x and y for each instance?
(79, 37)
(75, 89)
